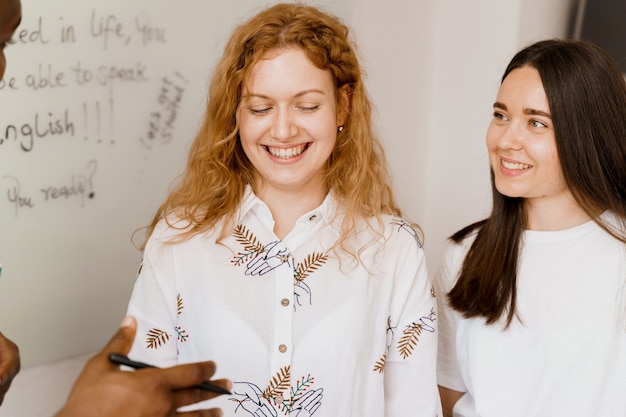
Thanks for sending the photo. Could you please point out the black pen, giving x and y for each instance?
(124, 360)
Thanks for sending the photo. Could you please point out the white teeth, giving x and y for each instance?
(286, 153)
(512, 165)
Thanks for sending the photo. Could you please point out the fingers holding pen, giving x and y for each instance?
(145, 392)
(184, 378)
(190, 382)
(179, 381)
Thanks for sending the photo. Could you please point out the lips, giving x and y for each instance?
(287, 153)
(515, 166)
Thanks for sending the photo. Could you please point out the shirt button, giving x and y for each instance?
(279, 399)
(284, 302)
(313, 217)
(282, 348)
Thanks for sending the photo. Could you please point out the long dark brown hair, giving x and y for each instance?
(586, 93)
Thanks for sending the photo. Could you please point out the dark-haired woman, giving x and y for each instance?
(532, 312)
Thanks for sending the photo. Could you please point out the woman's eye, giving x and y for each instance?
(498, 115)
(260, 111)
(537, 124)
(308, 109)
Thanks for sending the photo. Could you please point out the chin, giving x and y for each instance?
(509, 192)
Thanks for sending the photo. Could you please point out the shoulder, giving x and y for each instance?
(394, 236)
(387, 239)
(169, 230)
(401, 230)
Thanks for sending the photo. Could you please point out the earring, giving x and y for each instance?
(340, 129)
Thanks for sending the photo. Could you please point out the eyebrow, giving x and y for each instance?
(526, 110)
(300, 94)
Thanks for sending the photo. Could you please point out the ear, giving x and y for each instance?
(343, 104)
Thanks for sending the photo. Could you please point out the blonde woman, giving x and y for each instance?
(282, 254)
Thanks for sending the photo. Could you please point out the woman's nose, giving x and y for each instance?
(511, 137)
(283, 125)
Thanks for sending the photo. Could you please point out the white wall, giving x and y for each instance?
(434, 68)
(397, 43)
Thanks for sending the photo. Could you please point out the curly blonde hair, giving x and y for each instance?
(217, 172)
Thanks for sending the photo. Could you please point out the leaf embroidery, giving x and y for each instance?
(312, 262)
(278, 384)
(181, 334)
(301, 387)
(156, 338)
(246, 237)
(379, 366)
(179, 302)
(409, 339)
(252, 247)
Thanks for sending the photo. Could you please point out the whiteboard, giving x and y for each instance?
(100, 102)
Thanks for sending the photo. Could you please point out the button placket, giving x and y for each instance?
(283, 313)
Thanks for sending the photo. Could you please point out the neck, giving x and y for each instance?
(288, 206)
(551, 215)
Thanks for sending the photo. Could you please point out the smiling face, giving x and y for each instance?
(288, 123)
(10, 17)
(521, 141)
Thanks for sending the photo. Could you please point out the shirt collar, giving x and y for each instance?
(249, 201)
(327, 211)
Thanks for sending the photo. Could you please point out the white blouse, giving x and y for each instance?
(297, 330)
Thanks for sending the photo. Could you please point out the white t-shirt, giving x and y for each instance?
(295, 332)
(566, 356)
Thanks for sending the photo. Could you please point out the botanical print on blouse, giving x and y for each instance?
(284, 394)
